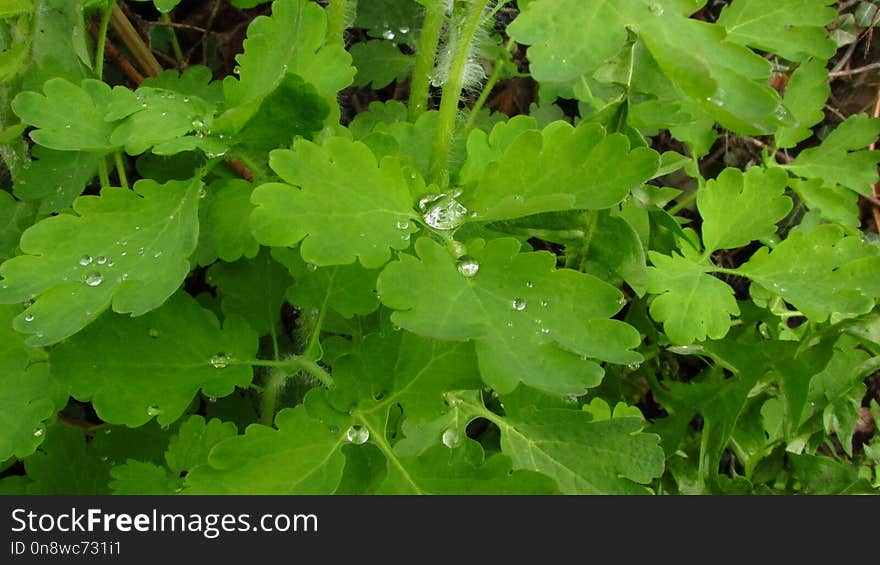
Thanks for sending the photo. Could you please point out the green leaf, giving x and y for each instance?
(836, 203)
(584, 455)
(805, 97)
(224, 222)
(66, 464)
(9, 8)
(58, 39)
(839, 159)
(56, 178)
(337, 220)
(302, 453)
(128, 248)
(819, 271)
(824, 475)
(133, 369)
(739, 208)
(794, 29)
(291, 40)
(195, 81)
(395, 20)
(691, 303)
(253, 289)
(527, 318)
(380, 63)
(15, 217)
(141, 478)
(69, 117)
(192, 444)
(523, 182)
(348, 289)
(28, 395)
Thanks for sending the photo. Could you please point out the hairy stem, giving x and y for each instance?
(336, 16)
(426, 50)
(497, 69)
(473, 12)
(294, 363)
(269, 401)
(102, 39)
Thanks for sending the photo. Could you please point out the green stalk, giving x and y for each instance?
(102, 39)
(336, 16)
(425, 53)
(473, 17)
(295, 363)
(103, 174)
(269, 402)
(175, 44)
(120, 170)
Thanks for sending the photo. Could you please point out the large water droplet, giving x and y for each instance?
(403, 224)
(94, 278)
(220, 361)
(388, 34)
(28, 317)
(101, 260)
(468, 267)
(38, 432)
(451, 438)
(153, 410)
(357, 434)
(85, 260)
(446, 215)
(519, 304)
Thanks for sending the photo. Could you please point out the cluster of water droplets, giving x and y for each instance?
(220, 361)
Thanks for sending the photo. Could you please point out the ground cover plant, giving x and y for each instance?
(439, 246)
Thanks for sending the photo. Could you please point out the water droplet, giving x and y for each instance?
(530, 284)
(357, 434)
(212, 399)
(38, 432)
(94, 278)
(446, 215)
(198, 124)
(85, 260)
(153, 410)
(519, 304)
(656, 9)
(202, 192)
(123, 254)
(108, 431)
(451, 438)
(312, 266)
(153, 333)
(220, 361)
(140, 250)
(468, 267)
(186, 99)
(157, 254)
(403, 224)
(59, 189)
(545, 303)
(634, 366)
(404, 30)
(28, 317)
(67, 126)
(136, 228)
(388, 34)
(101, 260)
(545, 331)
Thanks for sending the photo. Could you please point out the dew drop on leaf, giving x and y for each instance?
(153, 410)
(519, 304)
(451, 438)
(656, 9)
(38, 432)
(468, 267)
(447, 215)
(220, 361)
(357, 435)
(545, 303)
(94, 278)
(29, 318)
(403, 224)
(530, 284)
(388, 34)
(85, 260)
(101, 260)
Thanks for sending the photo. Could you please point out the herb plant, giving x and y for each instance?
(251, 284)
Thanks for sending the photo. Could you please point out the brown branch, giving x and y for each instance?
(849, 72)
(132, 40)
(240, 168)
(124, 64)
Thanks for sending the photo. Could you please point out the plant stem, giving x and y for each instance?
(497, 69)
(103, 175)
(120, 170)
(336, 16)
(269, 401)
(102, 39)
(296, 362)
(175, 44)
(683, 203)
(470, 22)
(425, 53)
